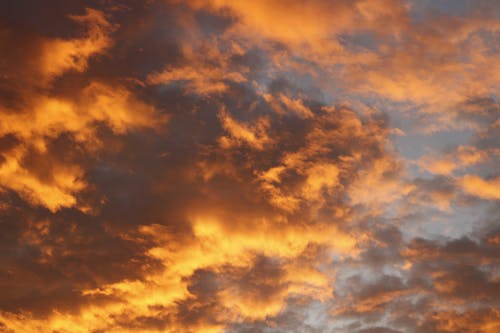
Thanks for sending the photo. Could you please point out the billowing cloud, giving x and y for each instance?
(249, 166)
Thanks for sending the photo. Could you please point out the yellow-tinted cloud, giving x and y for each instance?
(50, 117)
(214, 246)
(54, 194)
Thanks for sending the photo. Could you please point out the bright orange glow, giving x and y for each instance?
(249, 166)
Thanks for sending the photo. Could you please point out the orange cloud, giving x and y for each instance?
(477, 186)
(276, 200)
(61, 55)
(283, 104)
(207, 69)
(463, 157)
(304, 23)
(468, 321)
(50, 117)
(214, 246)
(255, 135)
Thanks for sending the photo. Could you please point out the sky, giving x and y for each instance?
(268, 166)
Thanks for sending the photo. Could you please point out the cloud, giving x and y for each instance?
(211, 166)
(207, 69)
(476, 186)
(239, 133)
(462, 157)
(305, 23)
(61, 55)
(47, 118)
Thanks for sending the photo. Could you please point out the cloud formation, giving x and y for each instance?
(249, 166)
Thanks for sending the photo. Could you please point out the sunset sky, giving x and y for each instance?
(249, 166)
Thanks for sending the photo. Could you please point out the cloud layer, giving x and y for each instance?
(249, 166)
